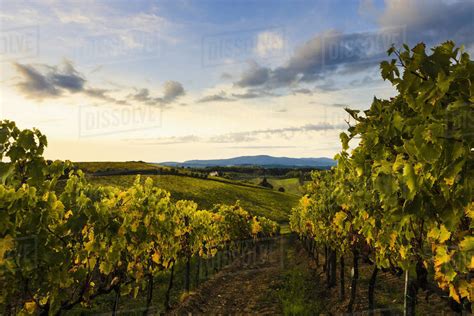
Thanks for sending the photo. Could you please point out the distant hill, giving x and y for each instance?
(261, 160)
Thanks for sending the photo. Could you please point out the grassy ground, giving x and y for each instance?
(291, 185)
(96, 166)
(206, 192)
(389, 293)
(129, 305)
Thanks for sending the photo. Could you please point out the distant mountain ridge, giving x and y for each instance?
(260, 160)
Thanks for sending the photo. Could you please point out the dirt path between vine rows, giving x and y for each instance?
(284, 279)
(250, 285)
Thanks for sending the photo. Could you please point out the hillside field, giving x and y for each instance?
(207, 192)
(100, 166)
(291, 185)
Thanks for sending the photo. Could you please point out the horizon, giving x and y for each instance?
(205, 80)
(246, 156)
(224, 158)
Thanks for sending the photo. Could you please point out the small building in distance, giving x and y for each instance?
(214, 174)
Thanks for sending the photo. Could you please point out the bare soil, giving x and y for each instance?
(283, 279)
(248, 286)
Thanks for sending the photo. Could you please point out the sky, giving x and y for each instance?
(117, 80)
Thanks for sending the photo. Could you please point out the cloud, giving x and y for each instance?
(308, 59)
(249, 136)
(226, 76)
(34, 84)
(73, 16)
(97, 19)
(173, 140)
(44, 81)
(66, 77)
(285, 132)
(263, 147)
(326, 85)
(254, 76)
(314, 60)
(302, 91)
(430, 21)
(334, 53)
(172, 90)
(365, 81)
(143, 95)
(254, 93)
(221, 96)
(101, 94)
(248, 94)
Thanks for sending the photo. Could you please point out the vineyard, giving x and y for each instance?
(402, 199)
(399, 200)
(90, 241)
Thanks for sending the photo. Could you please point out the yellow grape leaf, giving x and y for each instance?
(256, 228)
(6, 244)
(453, 293)
(465, 288)
(403, 252)
(450, 274)
(30, 307)
(471, 266)
(89, 246)
(365, 215)
(68, 214)
(161, 217)
(84, 230)
(467, 244)
(441, 256)
(44, 300)
(433, 233)
(449, 181)
(393, 238)
(156, 257)
(339, 218)
(134, 226)
(440, 278)
(470, 210)
(444, 234)
(305, 201)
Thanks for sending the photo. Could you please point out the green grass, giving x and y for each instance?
(297, 294)
(207, 192)
(291, 185)
(96, 166)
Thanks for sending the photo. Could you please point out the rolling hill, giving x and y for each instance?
(207, 192)
(261, 160)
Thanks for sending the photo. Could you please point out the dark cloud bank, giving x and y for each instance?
(44, 81)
